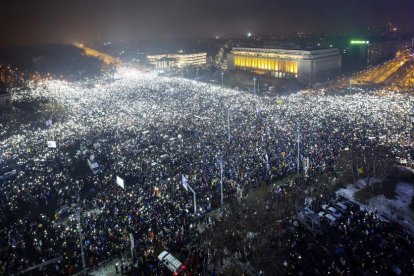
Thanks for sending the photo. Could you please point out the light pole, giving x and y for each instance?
(254, 84)
(228, 125)
(409, 131)
(78, 218)
(221, 181)
(310, 78)
(186, 187)
(298, 140)
(197, 73)
(222, 78)
(194, 199)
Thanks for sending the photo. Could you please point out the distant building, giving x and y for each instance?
(161, 63)
(364, 53)
(303, 65)
(5, 99)
(380, 51)
(177, 60)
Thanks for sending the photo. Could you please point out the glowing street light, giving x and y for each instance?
(249, 34)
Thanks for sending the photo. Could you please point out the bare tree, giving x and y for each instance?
(370, 161)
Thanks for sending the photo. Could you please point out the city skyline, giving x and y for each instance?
(45, 21)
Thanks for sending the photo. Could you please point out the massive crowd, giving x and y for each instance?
(150, 130)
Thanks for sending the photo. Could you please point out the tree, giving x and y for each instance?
(369, 161)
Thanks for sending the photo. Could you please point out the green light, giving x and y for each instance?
(359, 42)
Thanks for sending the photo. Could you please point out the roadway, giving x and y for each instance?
(396, 73)
(107, 59)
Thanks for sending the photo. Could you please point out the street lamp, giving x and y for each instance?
(298, 141)
(254, 84)
(410, 124)
(220, 160)
(228, 125)
(222, 78)
(78, 218)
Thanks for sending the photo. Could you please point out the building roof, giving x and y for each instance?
(286, 53)
(166, 59)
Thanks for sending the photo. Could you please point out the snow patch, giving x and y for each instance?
(396, 210)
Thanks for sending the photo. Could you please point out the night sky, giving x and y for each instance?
(48, 21)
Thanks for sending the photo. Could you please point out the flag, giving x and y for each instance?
(184, 182)
(48, 123)
(239, 192)
(213, 182)
(51, 144)
(131, 239)
(306, 164)
(120, 182)
(280, 101)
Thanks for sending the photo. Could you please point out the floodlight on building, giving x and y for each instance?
(359, 42)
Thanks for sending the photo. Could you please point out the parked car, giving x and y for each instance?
(327, 217)
(330, 218)
(333, 212)
(171, 263)
(341, 207)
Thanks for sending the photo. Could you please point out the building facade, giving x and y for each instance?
(164, 61)
(363, 53)
(5, 100)
(380, 51)
(304, 65)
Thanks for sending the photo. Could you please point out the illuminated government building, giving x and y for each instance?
(177, 60)
(304, 65)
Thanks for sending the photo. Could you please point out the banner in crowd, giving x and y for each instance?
(184, 182)
(51, 144)
(120, 182)
(131, 239)
(48, 123)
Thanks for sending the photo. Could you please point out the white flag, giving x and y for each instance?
(267, 162)
(131, 239)
(184, 182)
(239, 192)
(120, 182)
(48, 123)
(51, 144)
